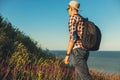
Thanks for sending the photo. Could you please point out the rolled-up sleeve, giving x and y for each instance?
(72, 28)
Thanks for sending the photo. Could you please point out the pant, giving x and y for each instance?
(80, 57)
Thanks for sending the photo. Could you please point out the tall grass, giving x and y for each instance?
(25, 66)
(47, 70)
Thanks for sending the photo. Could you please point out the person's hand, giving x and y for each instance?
(66, 60)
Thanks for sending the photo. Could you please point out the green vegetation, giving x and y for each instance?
(22, 59)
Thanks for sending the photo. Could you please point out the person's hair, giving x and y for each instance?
(72, 8)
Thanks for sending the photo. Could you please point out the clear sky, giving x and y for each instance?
(46, 21)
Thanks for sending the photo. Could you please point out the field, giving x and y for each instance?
(46, 70)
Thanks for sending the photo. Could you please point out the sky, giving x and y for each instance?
(46, 21)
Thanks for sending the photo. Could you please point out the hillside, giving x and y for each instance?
(10, 37)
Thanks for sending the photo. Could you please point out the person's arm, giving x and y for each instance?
(73, 36)
(70, 47)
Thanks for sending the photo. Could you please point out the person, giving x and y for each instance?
(80, 55)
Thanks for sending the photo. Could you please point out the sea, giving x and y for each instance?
(106, 61)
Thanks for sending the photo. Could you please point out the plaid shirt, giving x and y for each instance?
(75, 30)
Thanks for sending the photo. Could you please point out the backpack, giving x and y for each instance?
(91, 35)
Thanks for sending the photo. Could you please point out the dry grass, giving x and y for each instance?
(48, 71)
(101, 75)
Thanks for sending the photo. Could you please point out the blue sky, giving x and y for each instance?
(46, 21)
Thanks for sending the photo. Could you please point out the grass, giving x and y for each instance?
(47, 70)
(22, 65)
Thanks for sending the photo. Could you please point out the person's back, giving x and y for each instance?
(80, 55)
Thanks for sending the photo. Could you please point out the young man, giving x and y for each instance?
(80, 55)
